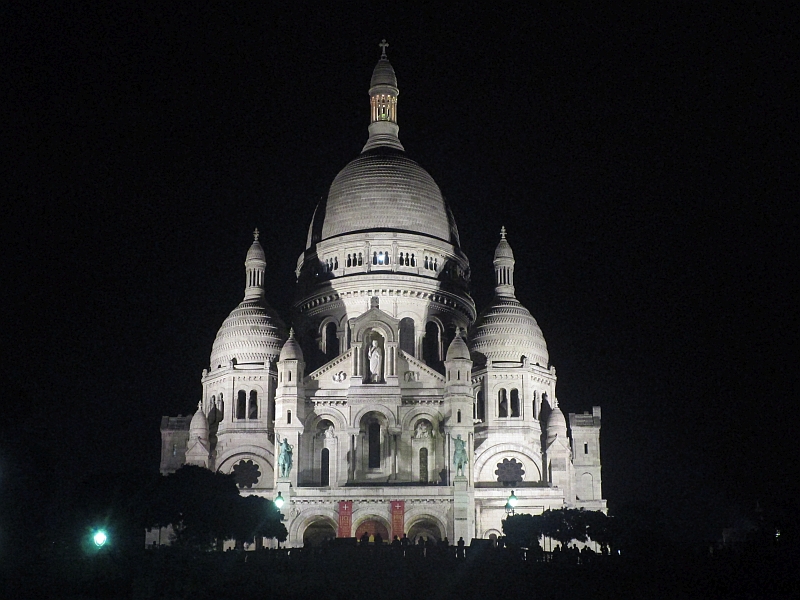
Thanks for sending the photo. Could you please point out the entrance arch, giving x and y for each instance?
(318, 532)
(371, 527)
(426, 528)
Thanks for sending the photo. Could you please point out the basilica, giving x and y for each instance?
(391, 406)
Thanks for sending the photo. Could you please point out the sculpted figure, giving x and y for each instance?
(285, 458)
(422, 430)
(460, 455)
(375, 362)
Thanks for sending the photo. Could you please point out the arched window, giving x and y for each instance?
(374, 258)
(336, 262)
(458, 417)
(423, 465)
(360, 259)
(515, 403)
(407, 335)
(374, 434)
(324, 468)
(221, 407)
(431, 344)
(502, 403)
(349, 261)
(426, 262)
(288, 417)
(331, 341)
(401, 259)
(252, 412)
(413, 261)
(480, 407)
(241, 404)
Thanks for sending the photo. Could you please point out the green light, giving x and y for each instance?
(279, 501)
(100, 538)
(512, 499)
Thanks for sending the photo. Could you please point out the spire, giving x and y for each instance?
(503, 267)
(383, 94)
(255, 264)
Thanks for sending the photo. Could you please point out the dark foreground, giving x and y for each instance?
(349, 573)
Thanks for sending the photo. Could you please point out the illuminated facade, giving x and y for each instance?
(388, 372)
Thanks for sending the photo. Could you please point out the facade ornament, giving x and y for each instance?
(339, 377)
(411, 376)
(285, 458)
(460, 459)
(422, 431)
(375, 362)
(383, 45)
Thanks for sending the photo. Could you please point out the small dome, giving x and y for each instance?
(382, 189)
(383, 74)
(506, 331)
(556, 425)
(556, 420)
(291, 349)
(503, 249)
(256, 252)
(252, 333)
(198, 428)
(458, 348)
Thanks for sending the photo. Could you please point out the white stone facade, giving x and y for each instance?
(388, 368)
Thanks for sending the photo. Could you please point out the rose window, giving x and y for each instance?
(246, 473)
(509, 472)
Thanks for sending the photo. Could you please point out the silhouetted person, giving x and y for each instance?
(460, 551)
(378, 539)
(364, 539)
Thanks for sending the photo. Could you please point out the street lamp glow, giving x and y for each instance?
(511, 503)
(279, 501)
(100, 538)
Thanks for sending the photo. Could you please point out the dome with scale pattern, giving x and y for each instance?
(252, 333)
(506, 331)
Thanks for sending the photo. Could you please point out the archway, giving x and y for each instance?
(371, 527)
(425, 528)
(407, 335)
(318, 532)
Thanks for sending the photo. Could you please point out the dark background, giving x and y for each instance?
(642, 160)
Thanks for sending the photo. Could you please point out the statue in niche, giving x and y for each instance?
(460, 455)
(330, 432)
(285, 458)
(375, 355)
(422, 430)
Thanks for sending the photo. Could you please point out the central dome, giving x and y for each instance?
(383, 189)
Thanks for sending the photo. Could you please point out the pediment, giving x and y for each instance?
(334, 374)
(412, 371)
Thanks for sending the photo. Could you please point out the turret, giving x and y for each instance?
(559, 455)
(503, 267)
(383, 95)
(290, 404)
(255, 264)
(198, 449)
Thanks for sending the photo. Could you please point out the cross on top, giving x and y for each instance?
(255, 234)
(383, 46)
(503, 232)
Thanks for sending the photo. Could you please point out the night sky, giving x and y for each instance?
(642, 160)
